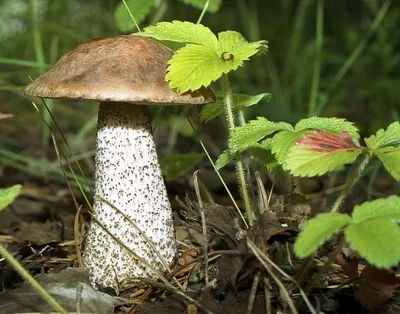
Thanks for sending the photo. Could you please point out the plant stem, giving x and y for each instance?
(317, 61)
(314, 280)
(240, 171)
(361, 47)
(351, 181)
(24, 274)
(203, 12)
(217, 172)
(40, 59)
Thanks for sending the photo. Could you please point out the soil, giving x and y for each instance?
(247, 270)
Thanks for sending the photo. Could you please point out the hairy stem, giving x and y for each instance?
(350, 182)
(317, 276)
(240, 171)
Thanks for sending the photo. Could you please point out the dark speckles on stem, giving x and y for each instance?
(135, 187)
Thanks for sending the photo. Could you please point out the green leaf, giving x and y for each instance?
(7, 196)
(281, 144)
(388, 137)
(253, 131)
(224, 159)
(388, 208)
(211, 111)
(390, 158)
(331, 125)
(317, 231)
(178, 165)
(194, 66)
(182, 32)
(233, 47)
(213, 5)
(260, 150)
(318, 152)
(206, 58)
(139, 9)
(240, 101)
(305, 163)
(263, 152)
(377, 240)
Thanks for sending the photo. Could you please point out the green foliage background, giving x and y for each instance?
(35, 33)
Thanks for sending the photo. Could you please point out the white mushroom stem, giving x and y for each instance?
(127, 175)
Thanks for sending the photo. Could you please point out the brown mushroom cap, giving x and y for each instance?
(124, 68)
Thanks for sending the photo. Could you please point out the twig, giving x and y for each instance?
(79, 289)
(267, 293)
(172, 289)
(78, 207)
(217, 172)
(134, 255)
(203, 224)
(282, 288)
(285, 275)
(312, 282)
(253, 292)
(78, 237)
(24, 274)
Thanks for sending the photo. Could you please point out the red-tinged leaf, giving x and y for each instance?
(5, 115)
(378, 288)
(348, 264)
(319, 152)
(322, 141)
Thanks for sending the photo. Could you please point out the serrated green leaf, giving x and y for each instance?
(281, 144)
(194, 66)
(223, 159)
(259, 150)
(182, 32)
(253, 131)
(233, 47)
(332, 125)
(263, 152)
(7, 196)
(178, 165)
(388, 208)
(211, 111)
(390, 158)
(213, 5)
(206, 58)
(388, 137)
(139, 9)
(317, 231)
(377, 240)
(305, 163)
(240, 101)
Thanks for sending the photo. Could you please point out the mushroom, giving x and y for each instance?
(123, 73)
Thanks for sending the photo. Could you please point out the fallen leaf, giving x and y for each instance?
(379, 287)
(5, 115)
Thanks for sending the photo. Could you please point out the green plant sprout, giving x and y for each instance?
(7, 196)
(204, 59)
(372, 230)
(315, 146)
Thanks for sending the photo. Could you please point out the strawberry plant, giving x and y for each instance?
(204, 59)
